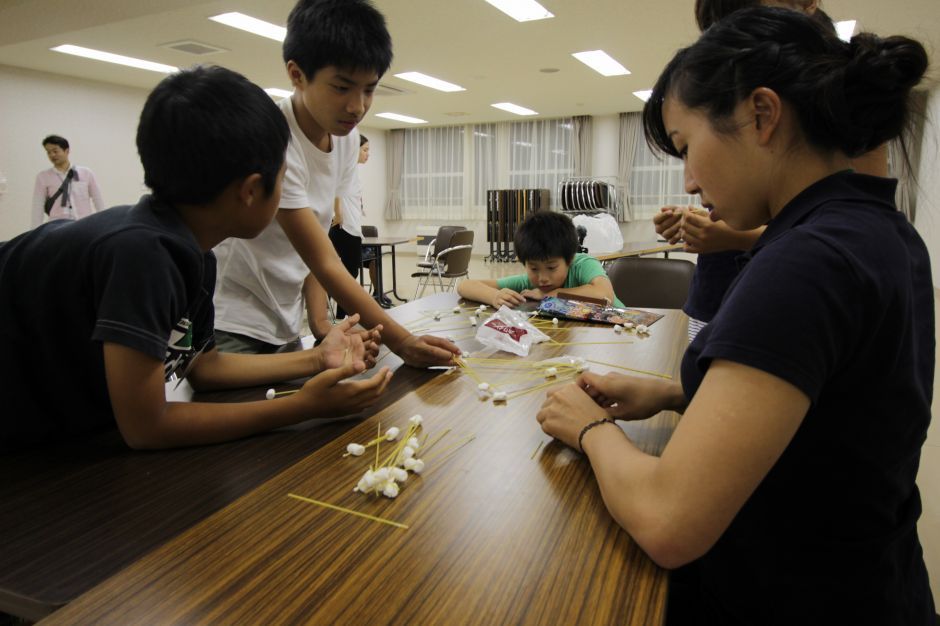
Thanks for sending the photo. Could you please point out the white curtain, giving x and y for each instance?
(541, 154)
(583, 145)
(656, 180)
(631, 131)
(433, 173)
(486, 162)
(394, 156)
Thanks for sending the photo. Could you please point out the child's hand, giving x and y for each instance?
(329, 394)
(427, 350)
(535, 294)
(343, 344)
(508, 297)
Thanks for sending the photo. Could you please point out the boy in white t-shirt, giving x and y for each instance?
(335, 53)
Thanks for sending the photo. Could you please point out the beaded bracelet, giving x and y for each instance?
(584, 430)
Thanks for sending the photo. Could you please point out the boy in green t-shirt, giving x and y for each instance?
(546, 243)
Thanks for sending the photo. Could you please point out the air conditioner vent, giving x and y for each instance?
(193, 47)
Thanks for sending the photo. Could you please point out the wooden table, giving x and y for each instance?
(640, 248)
(376, 243)
(509, 528)
(73, 515)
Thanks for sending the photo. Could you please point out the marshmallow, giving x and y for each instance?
(390, 490)
(483, 386)
(408, 452)
(554, 321)
(618, 328)
(551, 372)
(416, 419)
(355, 449)
(367, 482)
(399, 475)
(499, 396)
(642, 329)
(418, 466)
(473, 321)
(269, 394)
(456, 309)
(413, 443)
(381, 475)
(628, 325)
(392, 433)
(465, 354)
(409, 464)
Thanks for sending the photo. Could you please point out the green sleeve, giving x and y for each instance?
(518, 282)
(585, 268)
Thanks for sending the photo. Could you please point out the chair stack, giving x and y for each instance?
(448, 264)
(505, 209)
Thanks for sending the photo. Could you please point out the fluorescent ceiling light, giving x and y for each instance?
(401, 118)
(601, 62)
(845, 29)
(252, 25)
(522, 10)
(643, 95)
(108, 57)
(429, 81)
(278, 93)
(514, 108)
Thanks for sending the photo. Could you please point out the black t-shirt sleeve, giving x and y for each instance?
(796, 312)
(140, 290)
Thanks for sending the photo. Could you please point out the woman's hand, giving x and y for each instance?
(566, 411)
(631, 397)
(667, 223)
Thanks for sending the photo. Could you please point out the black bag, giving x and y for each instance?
(63, 189)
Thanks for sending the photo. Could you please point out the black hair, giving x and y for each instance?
(544, 235)
(707, 12)
(56, 140)
(850, 97)
(363, 140)
(347, 34)
(205, 127)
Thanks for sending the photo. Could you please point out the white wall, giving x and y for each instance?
(927, 220)
(98, 119)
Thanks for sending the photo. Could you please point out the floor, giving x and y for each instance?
(928, 479)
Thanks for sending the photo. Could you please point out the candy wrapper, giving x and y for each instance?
(510, 331)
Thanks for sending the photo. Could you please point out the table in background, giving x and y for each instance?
(376, 244)
(502, 531)
(640, 248)
(72, 515)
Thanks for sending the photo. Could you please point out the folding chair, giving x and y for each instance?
(452, 264)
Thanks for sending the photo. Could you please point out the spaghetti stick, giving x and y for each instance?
(349, 511)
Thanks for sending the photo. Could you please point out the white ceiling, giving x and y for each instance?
(467, 42)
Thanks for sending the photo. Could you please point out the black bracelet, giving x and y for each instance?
(584, 430)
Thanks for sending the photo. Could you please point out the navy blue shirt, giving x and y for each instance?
(836, 298)
(134, 276)
(714, 273)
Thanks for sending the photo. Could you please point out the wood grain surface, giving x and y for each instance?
(495, 536)
(73, 514)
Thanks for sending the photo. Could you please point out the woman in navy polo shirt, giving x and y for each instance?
(787, 493)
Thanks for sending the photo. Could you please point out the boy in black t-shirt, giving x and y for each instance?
(95, 315)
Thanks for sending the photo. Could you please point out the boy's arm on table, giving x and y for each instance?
(314, 247)
(147, 421)
(488, 291)
(600, 287)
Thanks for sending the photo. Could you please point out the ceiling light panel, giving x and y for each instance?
(108, 57)
(252, 25)
(643, 95)
(601, 62)
(401, 118)
(514, 108)
(429, 81)
(845, 29)
(522, 10)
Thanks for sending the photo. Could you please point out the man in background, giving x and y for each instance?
(64, 191)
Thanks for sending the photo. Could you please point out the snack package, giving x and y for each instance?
(510, 331)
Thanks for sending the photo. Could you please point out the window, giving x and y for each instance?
(540, 154)
(657, 181)
(432, 172)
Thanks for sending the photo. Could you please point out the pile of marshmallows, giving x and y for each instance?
(385, 480)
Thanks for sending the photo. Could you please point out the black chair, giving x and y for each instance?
(651, 282)
(441, 242)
